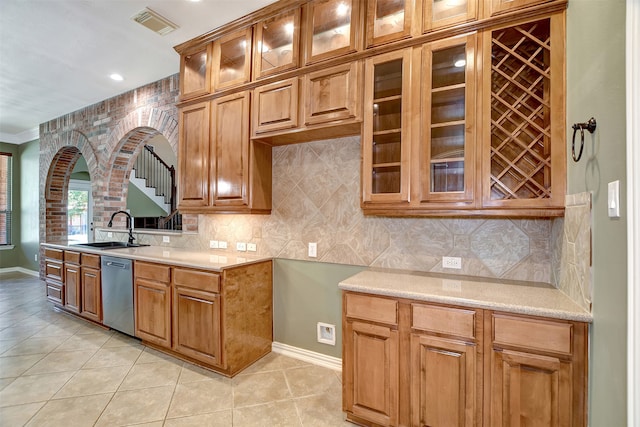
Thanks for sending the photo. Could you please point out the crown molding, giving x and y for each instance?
(20, 138)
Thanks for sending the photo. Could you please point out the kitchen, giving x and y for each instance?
(287, 230)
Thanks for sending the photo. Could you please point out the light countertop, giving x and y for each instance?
(193, 258)
(536, 299)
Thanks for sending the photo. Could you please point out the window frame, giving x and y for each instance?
(6, 188)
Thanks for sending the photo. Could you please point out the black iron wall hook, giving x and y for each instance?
(591, 127)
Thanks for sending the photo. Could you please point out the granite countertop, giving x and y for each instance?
(193, 258)
(536, 299)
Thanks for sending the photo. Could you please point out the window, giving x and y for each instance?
(5, 199)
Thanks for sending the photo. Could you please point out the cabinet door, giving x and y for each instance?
(437, 14)
(193, 157)
(387, 128)
(388, 20)
(443, 382)
(529, 390)
(196, 324)
(370, 376)
(500, 6)
(153, 311)
(232, 59)
(91, 294)
(447, 147)
(72, 287)
(230, 149)
(523, 152)
(195, 72)
(55, 291)
(332, 94)
(275, 106)
(332, 28)
(277, 46)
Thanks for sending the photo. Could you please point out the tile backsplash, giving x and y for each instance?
(316, 198)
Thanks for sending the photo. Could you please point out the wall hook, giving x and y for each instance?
(591, 127)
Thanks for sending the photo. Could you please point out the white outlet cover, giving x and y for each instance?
(452, 262)
(165, 239)
(222, 244)
(326, 333)
(213, 244)
(313, 250)
(109, 234)
(241, 246)
(252, 247)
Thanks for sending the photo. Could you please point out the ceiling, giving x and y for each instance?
(56, 56)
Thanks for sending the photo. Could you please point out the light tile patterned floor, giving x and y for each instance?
(58, 370)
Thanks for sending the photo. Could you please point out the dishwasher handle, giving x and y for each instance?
(116, 264)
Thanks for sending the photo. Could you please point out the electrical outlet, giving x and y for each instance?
(109, 234)
(222, 244)
(313, 250)
(35, 257)
(326, 333)
(452, 262)
(166, 239)
(252, 247)
(241, 246)
(213, 244)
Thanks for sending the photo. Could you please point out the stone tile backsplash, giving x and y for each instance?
(316, 198)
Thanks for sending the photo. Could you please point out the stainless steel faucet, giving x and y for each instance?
(129, 223)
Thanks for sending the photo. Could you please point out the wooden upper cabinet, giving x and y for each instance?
(387, 128)
(447, 147)
(232, 59)
(193, 156)
(277, 44)
(195, 72)
(333, 94)
(496, 7)
(524, 154)
(230, 150)
(275, 106)
(331, 28)
(388, 20)
(437, 14)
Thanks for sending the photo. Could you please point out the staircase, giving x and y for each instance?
(158, 181)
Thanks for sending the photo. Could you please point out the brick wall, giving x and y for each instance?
(109, 135)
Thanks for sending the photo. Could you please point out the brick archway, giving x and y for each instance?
(63, 154)
(128, 139)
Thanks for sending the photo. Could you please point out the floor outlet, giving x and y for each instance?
(326, 333)
(452, 262)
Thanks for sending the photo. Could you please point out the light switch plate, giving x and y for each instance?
(613, 199)
(241, 246)
(313, 250)
(222, 244)
(213, 244)
(165, 239)
(252, 247)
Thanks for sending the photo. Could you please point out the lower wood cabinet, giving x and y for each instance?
(223, 320)
(54, 275)
(91, 291)
(410, 363)
(72, 281)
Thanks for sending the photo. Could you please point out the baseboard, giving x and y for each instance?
(20, 270)
(319, 359)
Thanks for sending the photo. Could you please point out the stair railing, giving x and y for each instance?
(157, 174)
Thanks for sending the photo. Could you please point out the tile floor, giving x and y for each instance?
(58, 370)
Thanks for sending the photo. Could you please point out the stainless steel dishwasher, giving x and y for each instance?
(117, 294)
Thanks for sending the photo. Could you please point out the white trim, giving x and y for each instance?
(319, 359)
(633, 211)
(22, 137)
(20, 270)
(7, 247)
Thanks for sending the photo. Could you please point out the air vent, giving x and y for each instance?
(153, 21)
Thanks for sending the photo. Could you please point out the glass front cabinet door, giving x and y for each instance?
(277, 44)
(447, 144)
(195, 72)
(387, 128)
(437, 14)
(388, 20)
(232, 59)
(331, 28)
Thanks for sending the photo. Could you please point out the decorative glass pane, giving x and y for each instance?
(331, 26)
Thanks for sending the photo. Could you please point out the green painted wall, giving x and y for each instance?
(9, 257)
(29, 155)
(140, 205)
(305, 293)
(596, 87)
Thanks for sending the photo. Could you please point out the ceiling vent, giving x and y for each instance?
(153, 21)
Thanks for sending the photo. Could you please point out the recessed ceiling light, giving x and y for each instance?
(116, 77)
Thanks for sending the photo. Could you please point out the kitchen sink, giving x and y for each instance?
(109, 245)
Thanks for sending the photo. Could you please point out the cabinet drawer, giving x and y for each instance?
(203, 280)
(532, 334)
(444, 320)
(371, 308)
(55, 292)
(72, 257)
(53, 270)
(156, 272)
(51, 253)
(91, 260)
